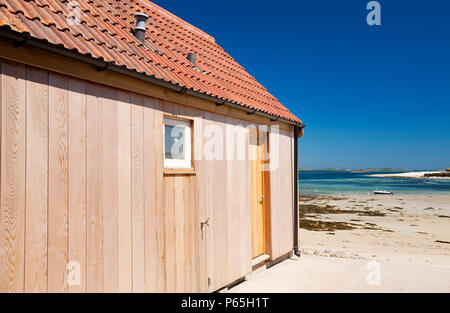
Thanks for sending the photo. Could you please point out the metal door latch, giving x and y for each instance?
(204, 223)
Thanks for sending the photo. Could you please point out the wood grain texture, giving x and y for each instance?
(199, 185)
(192, 239)
(37, 148)
(151, 264)
(208, 176)
(244, 209)
(267, 193)
(234, 187)
(125, 252)
(94, 239)
(160, 252)
(281, 195)
(137, 192)
(110, 191)
(169, 232)
(12, 227)
(77, 181)
(58, 188)
(111, 208)
(179, 209)
(154, 214)
(257, 196)
(1, 109)
(182, 234)
(220, 207)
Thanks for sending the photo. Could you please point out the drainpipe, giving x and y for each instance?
(298, 132)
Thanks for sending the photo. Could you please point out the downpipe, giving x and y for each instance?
(298, 133)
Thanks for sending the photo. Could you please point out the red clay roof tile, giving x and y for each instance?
(104, 32)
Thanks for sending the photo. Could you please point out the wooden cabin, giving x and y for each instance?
(136, 154)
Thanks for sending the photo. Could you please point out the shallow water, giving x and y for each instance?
(345, 182)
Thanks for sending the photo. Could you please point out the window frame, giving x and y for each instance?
(186, 163)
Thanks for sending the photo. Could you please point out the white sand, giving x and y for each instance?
(409, 232)
(409, 175)
(324, 274)
(411, 243)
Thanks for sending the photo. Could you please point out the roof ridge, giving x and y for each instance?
(176, 18)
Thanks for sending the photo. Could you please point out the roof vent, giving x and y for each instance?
(192, 57)
(139, 30)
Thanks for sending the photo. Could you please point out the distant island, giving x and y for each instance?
(388, 172)
(444, 174)
(374, 169)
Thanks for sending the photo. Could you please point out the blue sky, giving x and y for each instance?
(371, 96)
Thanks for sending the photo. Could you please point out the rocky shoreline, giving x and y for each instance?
(442, 174)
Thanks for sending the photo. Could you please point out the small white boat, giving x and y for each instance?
(383, 192)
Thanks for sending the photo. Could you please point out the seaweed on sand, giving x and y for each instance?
(308, 209)
(395, 209)
(310, 198)
(333, 226)
(324, 226)
(370, 213)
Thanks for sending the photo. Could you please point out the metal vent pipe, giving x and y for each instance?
(139, 30)
(192, 57)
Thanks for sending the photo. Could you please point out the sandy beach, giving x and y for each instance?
(414, 229)
(410, 175)
(342, 238)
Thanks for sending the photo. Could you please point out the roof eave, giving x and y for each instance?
(26, 39)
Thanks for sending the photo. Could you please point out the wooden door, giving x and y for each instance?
(257, 196)
(183, 237)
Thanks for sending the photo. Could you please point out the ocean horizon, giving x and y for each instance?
(316, 182)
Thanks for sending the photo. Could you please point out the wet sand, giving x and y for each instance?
(414, 229)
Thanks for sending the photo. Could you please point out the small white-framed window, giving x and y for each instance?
(177, 144)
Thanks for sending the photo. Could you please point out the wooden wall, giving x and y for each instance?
(82, 180)
(281, 180)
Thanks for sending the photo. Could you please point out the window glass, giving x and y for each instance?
(177, 144)
(174, 142)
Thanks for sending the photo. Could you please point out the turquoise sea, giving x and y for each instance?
(346, 182)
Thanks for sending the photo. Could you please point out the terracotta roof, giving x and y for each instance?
(104, 32)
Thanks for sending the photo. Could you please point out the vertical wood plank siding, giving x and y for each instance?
(281, 195)
(37, 136)
(13, 164)
(86, 205)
